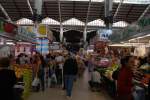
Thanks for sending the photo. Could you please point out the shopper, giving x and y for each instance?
(81, 66)
(70, 71)
(95, 82)
(41, 72)
(124, 82)
(148, 97)
(59, 68)
(7, 80)
(22, 59)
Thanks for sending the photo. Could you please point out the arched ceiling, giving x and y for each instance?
(129, 11)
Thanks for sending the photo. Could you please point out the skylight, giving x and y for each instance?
(25, 21)
(117, 1)
(97, 22)
(85, 0)
(50, 21)
(120, 24)
(134, 1)
(73, 22)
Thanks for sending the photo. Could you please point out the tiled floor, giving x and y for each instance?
(80, 92)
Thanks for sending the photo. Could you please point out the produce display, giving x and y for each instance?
(109, 71)
(25, 72)
(27, 79)
(145, 68)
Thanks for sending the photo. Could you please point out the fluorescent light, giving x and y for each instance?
(132, 39)
(10, 43)
(120, 45)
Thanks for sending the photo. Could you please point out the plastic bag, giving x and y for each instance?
(36, 82)
(53, 78)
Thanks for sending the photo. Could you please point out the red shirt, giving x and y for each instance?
(124, 83)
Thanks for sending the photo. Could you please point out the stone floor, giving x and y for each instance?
(80, 92)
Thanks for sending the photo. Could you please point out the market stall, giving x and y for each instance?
(13, 41)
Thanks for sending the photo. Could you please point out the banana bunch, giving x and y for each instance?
(18, 71)
(27, 79)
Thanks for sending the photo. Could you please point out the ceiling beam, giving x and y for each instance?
(117, 10)
(45, 7)
(18, 9)
(74, 6)
(29, 5)
(5, 13)
(145, 11)
(127, 15)
(87, 16)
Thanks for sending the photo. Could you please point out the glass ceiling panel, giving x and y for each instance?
(120, 24)
(97, 22)
(84, 0)
(73, 21)
(25, 21)
(50, 21)
(117, 1)
(134, 1)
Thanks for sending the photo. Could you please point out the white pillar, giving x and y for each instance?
(38, 6)
(85, 34)
(61, 33)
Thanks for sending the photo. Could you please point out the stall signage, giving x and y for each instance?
(144, 22)
(8, 27)
(25, 33)
(1, 26)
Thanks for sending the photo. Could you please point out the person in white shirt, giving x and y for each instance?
(95, 81)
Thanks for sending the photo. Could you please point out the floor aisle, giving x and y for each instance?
(80, 92)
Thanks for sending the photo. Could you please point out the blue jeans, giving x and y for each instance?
(41, 76)
(139, 94)
(69, 79)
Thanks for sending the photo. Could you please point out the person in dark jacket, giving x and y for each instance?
(7, 80)
(70, 71)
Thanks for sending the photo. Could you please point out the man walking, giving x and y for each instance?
(70, 71)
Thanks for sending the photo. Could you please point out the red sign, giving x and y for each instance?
(10, 28)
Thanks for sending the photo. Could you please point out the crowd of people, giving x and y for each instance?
(124, 76)
(60, 70)
(54, 70)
